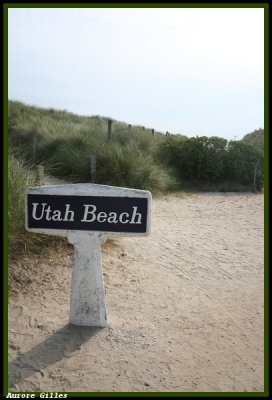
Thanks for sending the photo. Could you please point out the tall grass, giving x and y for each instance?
(20, 176)
(128, 166)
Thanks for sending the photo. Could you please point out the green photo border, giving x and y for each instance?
(265, 6)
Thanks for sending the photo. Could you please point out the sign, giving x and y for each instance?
(87, 214)
(59, 209)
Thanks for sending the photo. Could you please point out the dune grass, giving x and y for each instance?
(63, 143)
(21, 176)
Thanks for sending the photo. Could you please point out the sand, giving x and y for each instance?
(184, 307)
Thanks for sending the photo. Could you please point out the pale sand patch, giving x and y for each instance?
(185, 308)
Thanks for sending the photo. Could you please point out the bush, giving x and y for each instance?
(211, 161)
(241, 163)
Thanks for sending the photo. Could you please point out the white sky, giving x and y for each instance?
(194, 71)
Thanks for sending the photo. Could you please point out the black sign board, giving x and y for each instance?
(87, 213)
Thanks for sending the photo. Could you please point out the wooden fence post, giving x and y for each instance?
(34, 146)
(109, 128)
(93, 166)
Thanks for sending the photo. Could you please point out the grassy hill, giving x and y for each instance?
(132, 156)
(63, 142)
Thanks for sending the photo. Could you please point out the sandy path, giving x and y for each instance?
(185, 308)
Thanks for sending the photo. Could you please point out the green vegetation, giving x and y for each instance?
(214, 163)
(64, 142)
(20, 176)
(255, 138)
(132, 157)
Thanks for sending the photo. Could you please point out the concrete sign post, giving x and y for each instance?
(87, 214)
(87, 305)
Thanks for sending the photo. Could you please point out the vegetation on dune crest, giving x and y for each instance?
(64, 146)
(255, 138)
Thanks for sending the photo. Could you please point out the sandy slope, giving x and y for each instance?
(185, 307)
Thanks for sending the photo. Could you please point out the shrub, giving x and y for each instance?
(213, 160)
(241, 162)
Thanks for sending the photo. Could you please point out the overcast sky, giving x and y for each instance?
(193, 71)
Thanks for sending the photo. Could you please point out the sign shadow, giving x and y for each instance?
(60, 344)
